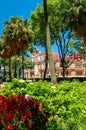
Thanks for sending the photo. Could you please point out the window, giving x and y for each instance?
(38, 58)
(67, 73)
(77, 65)
(78, 72)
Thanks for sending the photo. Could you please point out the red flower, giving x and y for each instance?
(24, 118)
(8, 117)
(17, 108)
(30, 125)
(15, 96)
(10, 127)
(28, 113)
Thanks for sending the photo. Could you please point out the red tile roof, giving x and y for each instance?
(76, 56)
(55, 56)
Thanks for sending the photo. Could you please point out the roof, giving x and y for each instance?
(76, 56)
(55, 55)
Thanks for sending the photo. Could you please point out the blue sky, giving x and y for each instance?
(10, 8)
(22, 8)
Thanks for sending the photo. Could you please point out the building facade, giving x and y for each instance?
(77, 67)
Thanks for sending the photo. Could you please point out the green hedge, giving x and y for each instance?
(81, 79)
(65, 103)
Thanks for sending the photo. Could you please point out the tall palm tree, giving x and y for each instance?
(16, 36)
(50, 58)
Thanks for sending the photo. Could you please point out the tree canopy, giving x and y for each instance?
(62, 15)
(16, 36)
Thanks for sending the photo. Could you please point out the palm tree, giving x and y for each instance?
(16, 36)
(50, 58)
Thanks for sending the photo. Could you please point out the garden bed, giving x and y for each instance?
(64, 103)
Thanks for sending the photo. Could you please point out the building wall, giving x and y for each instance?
(76, 68)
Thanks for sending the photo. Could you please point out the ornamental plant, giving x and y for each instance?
(64, 103)
(21, 113)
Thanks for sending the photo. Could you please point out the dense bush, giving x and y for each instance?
(65, 103)
(21, 113)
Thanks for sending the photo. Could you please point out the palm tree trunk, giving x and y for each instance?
(10, 68)
(19, 72)
(46, 63)
(46, 66)
(50, 58)
(4, 70)
(22, 66)
(15, 66)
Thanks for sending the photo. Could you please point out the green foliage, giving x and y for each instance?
(28, 64)
(62, 15)
(16, 36)
(65, 103)
(8, 79)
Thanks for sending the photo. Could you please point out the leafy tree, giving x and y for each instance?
(72, 14)
(78, 19)
(39, 29)
(4, 65)
(28, 65)
(69, 14)
(62, 15)
(58, 16)
(38, 23)
(16, 36)
(23, 58)
(65, 43)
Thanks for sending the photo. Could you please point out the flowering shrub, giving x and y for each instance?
(18, 113)
(64, 103)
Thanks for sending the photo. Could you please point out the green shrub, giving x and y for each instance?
(8, 79)
(65, 103)
(15, 82)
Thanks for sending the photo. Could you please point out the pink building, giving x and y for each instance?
(77, 67)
